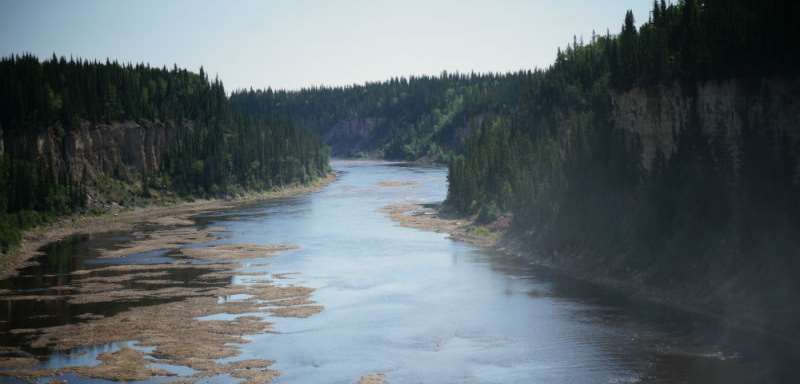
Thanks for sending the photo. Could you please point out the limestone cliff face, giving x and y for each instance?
(726, 237)
(91, 155)
(721, 110)
(122, 150)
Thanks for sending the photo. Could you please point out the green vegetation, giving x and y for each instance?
(543, 146)
(698, 40)
(424, 117)
(575, 182)
(429, 117)
(210, 149)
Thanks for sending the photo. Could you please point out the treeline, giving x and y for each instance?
(402, 118)
(579, 189)
(700, 40)
(429, 117)
(211, 149)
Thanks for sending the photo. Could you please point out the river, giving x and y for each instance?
(419, 307)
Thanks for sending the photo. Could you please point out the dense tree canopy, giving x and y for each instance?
(411, 118)
(211, 149)
(574, 181)
(539, 144)
(699, 40)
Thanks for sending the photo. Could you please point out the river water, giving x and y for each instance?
(419, 307)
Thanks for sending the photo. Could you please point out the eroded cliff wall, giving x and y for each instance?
(98, 156)
(712, 224)
(121, 149)
(721, 110)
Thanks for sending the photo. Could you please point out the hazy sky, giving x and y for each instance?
(296, 43)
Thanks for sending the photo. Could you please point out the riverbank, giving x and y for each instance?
(176, 316)
(431, 217)
(495, 235)
(121, 219)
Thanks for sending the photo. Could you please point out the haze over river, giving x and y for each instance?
(422, 308)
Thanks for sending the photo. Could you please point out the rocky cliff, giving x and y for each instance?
(96, 155)
(715, 226)
(722, 110)
(122, 149)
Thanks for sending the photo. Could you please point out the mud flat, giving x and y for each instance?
(430, 217)
(232, 252)
(398, 183)
(372, 378)
(185, 312)
(126, 220)
(174, 330)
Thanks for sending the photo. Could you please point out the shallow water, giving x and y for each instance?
(420, 307)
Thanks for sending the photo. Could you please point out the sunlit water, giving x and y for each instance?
(420, 307)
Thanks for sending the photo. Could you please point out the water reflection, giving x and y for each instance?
(421, 308)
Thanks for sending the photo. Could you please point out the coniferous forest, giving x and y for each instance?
(628, 213)
(413, 118)
(205, 148)
(592, 192)
(561, 150)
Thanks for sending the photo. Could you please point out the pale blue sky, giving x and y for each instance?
(296, 43)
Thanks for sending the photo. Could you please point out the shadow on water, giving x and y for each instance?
(53, 267)
(686, 347)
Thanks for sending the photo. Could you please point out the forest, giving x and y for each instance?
(210, 149)
(429, 117)
(404, 118)
(547, 147)
(719, 202)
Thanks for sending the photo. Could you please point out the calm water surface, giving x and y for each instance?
(422, 308)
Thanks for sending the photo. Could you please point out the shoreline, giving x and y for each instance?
(430, 217)
(164, 313)
(126, 218)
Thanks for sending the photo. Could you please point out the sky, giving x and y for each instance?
(300, 43)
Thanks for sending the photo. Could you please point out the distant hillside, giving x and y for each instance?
(417, 118)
